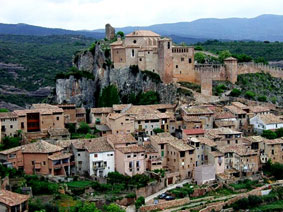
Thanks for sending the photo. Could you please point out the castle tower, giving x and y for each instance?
(165, 60)
(231, 67)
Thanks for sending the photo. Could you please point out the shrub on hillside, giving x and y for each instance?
(250, 95)
(235, 92)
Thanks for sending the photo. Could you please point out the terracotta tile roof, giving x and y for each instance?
(80, 110)
(235, 110)
(197, 110)
(11, 150)
(221, 123)
(67, 106)
(11, 199)
(253, 139)
(259, 109)
(269, 118)
(216, 153)
(224, 115)
(41, 147)
(59, 156)
(143, 33)
(58, 132)
(162, 106)
(117, 43)
(98, 145)
(121, 139)
(181, 145)
(204, 140)
(120, 107)
(222, 131)
(8, 115)
(274, 141)
(193, 131)
(65, 143)
(191, 118)
(101, 110)
(102, 127)
(115, 115)
(162, 138)
(240, 105)
(131, 149)
(239, 149)
(149, 148)
(45, 109)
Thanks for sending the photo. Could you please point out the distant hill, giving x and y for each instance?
(25, 29)
(261, 28)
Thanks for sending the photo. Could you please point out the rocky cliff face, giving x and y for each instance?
(84, 92)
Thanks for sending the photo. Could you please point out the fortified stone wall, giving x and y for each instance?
(247, 68)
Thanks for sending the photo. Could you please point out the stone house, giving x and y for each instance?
(181, 158)
(120, 123)
(224, 136)
(69, 113)
(256, 110)
(240, 158)
(192, 122)
(202, 113)
(240, 114)
(80, 115)
(13, 202)
(266, 122)
(36, 122)
(40, 158)
(151, 52)
(271, 149)
(204, 174)
(152, 157)
(9, 124)
(188, 133)
(130, 160)
(206, 153)
(99, 115)
(225, 119)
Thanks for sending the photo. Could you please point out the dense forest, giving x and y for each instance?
(41, 56)
(271, 51)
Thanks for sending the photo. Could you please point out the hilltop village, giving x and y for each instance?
(199, 147)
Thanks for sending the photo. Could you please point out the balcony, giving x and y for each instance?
(97, 167)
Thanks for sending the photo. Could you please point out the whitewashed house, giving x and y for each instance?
(266, 122)
(100, 157)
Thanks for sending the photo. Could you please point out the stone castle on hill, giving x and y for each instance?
(173, 63)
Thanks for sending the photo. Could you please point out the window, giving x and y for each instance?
(44, 163)
(138, 164)
(95, 155)
(168, 45)
(32, 162)
(80, 162)
(182, 59)
(128, 156)
(190, 60)
(134, 41)
(177, 66)
(57, 118)
(22, 125)
(79, 154)
(140, 59)
(228, 142)
(11, 126)
(135, 155)
(133, 52)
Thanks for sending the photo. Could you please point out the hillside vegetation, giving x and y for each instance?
(271, 51)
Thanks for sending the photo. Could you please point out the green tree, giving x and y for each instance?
(279, 132)
(242, 58)
(250, 95)
(83, 128)
(223, 55)
(261, 60)
(235, 92)
(199, 48)
(3, 110)
(200, 57)
(109, 96)
(139, 202)
(148, 98)
(158, 130)
(113, 208)
(121, 34)
(88, 207)
(262, 98)
(269, 134)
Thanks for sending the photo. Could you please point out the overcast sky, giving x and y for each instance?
(94, 14)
